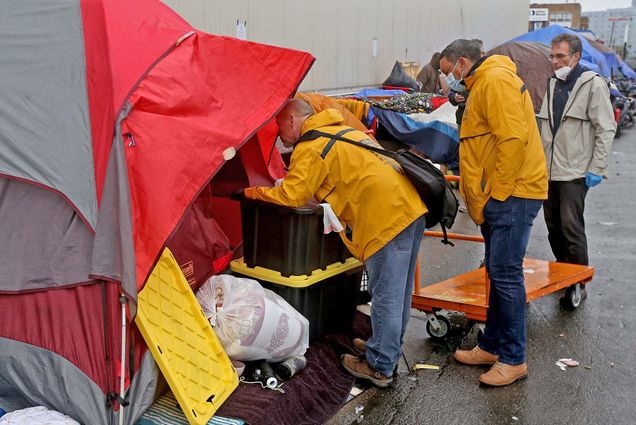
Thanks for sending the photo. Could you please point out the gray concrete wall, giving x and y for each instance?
(340, 33)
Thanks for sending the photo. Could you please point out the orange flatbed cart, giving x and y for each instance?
(468, 292)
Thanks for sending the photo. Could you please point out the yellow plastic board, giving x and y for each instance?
(183, 343)
(261, 273)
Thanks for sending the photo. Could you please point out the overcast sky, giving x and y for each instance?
(592, 5)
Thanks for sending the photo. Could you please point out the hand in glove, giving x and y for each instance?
(592, 180)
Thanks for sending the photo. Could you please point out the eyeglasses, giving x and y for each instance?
(559, 56)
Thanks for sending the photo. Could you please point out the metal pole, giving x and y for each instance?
(612, 34)
(625, 42)
(122, 371)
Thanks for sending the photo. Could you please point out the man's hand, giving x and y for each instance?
(459, 98)
(238, 194)
(592, 180)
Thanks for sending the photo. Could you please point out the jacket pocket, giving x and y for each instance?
(476, 192)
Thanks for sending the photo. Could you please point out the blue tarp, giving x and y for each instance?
(591, 66)
(368, 92)
(437, 139)
(590, 54)
(626, 70)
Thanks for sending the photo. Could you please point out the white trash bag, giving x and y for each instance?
(39, 415)
(253, 323)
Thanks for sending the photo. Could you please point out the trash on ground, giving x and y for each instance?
(569, 362)
(359, 409)
(426, 366)
(565, 363)
(607, 223)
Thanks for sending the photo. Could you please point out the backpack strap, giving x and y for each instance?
(314, 134)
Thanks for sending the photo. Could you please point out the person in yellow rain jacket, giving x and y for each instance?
(504, 182)
(381, 212)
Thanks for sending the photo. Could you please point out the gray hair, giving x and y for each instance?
(574, 42)
(468, 49)
(478, 43)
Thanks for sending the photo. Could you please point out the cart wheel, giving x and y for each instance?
(571, 300)
(444, 328)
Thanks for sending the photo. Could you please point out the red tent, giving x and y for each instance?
(115, 118)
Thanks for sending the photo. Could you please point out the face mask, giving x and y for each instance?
(454, 84)
(562, 73)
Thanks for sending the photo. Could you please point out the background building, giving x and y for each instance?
(610, 25)
(356, 42)
(564, 14)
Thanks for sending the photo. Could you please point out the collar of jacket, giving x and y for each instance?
(323, 118)
(476, 65)
(574, 74)
(584, 78)
(485, 64)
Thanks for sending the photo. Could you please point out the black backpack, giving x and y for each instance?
(429, 181)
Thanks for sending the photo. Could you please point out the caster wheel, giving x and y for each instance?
(444, 328)
(571, 300)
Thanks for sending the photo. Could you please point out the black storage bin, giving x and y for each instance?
(329, 304)
(288, 240)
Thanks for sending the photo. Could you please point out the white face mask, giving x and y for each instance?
(563, 72)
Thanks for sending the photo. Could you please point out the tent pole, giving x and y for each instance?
(122, 370)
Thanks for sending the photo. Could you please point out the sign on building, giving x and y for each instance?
(539, 15)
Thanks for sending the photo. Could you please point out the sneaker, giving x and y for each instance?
(359, 346)
(358, 367)
(476, 356)
(501, 374)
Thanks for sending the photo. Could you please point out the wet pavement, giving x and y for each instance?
(600, 334)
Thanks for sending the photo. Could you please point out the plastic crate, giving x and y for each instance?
(327, 298)
(288, 240)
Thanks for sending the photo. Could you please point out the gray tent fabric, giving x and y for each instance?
(44, 242)
(114, 226)
(32, 376)
(44, 100)
(143, 390)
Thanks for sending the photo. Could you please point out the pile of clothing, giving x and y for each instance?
(407, 103)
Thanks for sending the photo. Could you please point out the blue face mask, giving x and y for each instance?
(456, 85)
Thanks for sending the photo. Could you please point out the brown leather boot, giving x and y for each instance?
(501, 374)
(476, 356)
(359, 346)
(358, 367)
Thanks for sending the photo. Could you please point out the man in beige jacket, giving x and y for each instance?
(577, 128)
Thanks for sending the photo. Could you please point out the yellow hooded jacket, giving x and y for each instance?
(367, 191)
(500, 153)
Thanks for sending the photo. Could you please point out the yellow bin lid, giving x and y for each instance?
(303, 281)
(183, 343)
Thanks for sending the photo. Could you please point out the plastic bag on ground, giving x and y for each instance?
(253, 323)
(39, 415)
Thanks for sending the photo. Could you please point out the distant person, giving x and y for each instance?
(377, 205)
(577, 128)
(429, 76)
(504, 183)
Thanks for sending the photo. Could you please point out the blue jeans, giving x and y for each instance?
(506, 231)
(391, 271)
